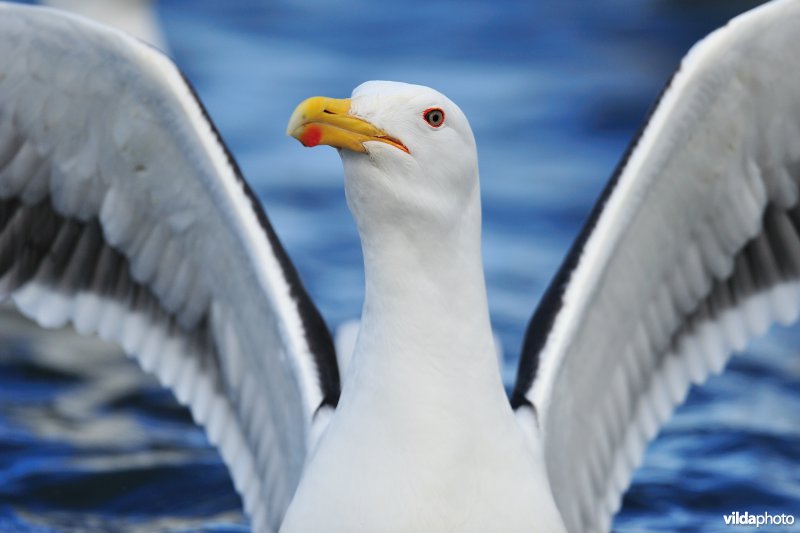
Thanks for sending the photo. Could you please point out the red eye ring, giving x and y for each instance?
(434, 116)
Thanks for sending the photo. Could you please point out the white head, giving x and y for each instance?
(408, 152)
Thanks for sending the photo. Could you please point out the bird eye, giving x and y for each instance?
(434, 116)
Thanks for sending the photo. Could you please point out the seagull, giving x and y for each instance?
(123, 214)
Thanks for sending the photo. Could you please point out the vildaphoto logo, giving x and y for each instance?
(763, 519)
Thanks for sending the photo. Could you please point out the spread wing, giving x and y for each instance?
(693, 249)
(122, 212)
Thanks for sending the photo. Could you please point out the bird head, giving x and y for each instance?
(408, 153)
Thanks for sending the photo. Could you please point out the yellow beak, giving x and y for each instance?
(321, 120)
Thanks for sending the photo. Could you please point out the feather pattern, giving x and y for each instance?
(693, 249)
(122, 213)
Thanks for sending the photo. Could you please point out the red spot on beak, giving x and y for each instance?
(311, 136)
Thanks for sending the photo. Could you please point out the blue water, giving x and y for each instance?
(554, 91)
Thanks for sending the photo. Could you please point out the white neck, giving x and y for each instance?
(425, 328)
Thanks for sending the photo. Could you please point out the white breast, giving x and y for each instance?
(386, 468)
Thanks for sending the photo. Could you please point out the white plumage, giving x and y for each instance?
(123, 214)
